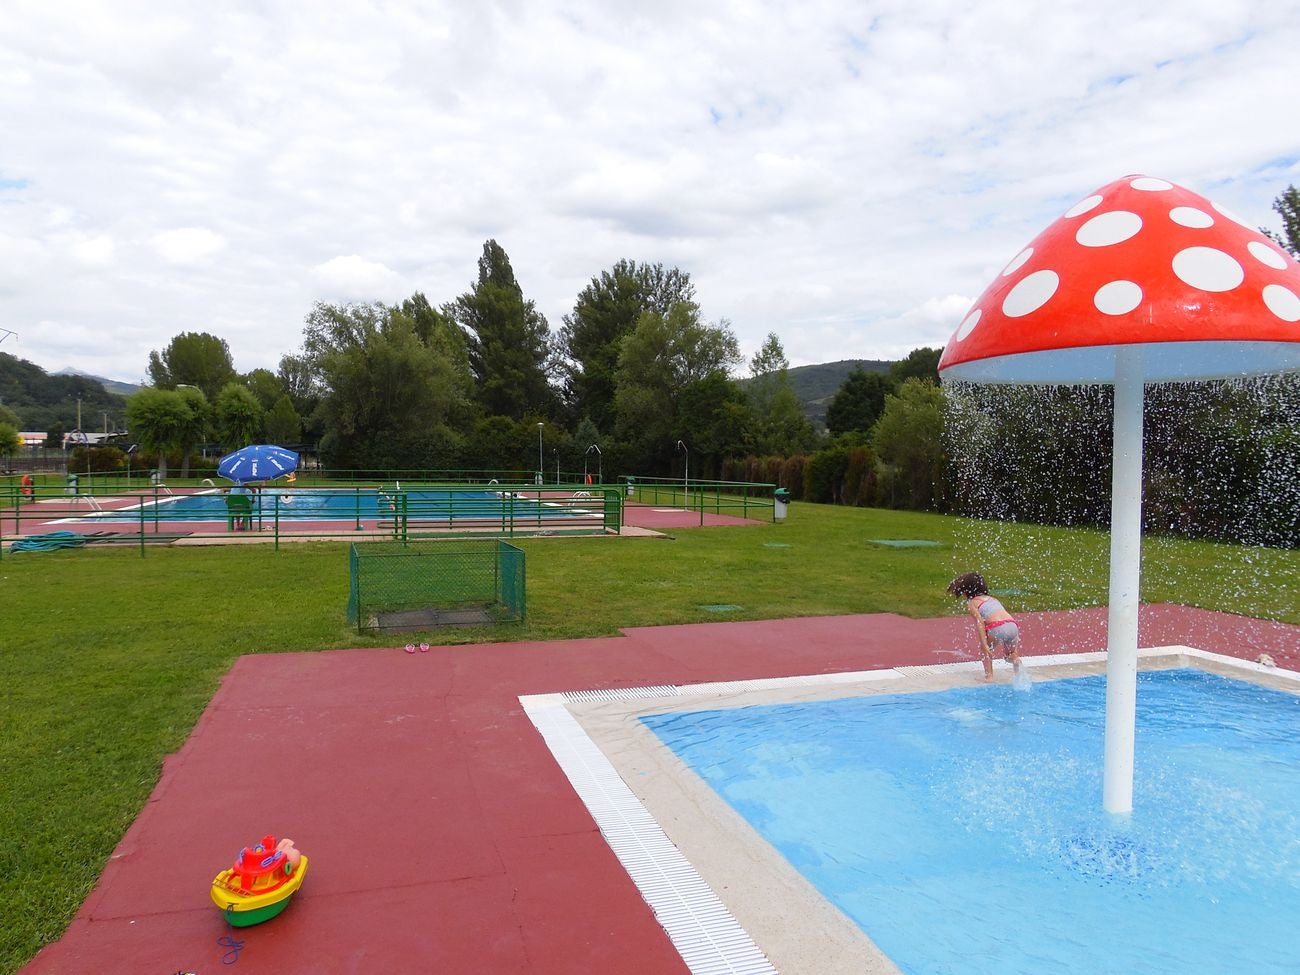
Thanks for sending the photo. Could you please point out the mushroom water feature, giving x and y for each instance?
(1140, 282)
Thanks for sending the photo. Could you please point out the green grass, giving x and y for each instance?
(109, 658)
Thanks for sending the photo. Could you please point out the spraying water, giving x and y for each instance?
(1222, 464)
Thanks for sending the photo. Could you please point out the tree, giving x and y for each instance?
(920, 363)
(239, 416)
(10, 442)
(507, 340)
(156, 418)
(661, 358)
(265, 385)
(387, 396)
(283, 424)
(436, 329)
(779, 421)
(859, 402)
(585, 434)
(194, 358)
(195, 421)
(715, 420)
(908, 439)
(606, 311)
(1287, 206)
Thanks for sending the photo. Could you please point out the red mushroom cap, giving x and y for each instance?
(1139, 262)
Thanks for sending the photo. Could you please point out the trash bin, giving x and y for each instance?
(780, 503)
(72, 484)
(154, 479)
(631, 487)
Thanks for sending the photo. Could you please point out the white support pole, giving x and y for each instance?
(1125, 577)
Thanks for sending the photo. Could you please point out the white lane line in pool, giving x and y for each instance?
(704, 932)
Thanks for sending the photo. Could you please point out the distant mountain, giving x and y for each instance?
(42, 401)
(817, 385)
(112, 385)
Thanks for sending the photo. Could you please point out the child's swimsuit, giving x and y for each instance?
(1006, 632)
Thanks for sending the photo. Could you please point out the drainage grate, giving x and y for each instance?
(704, 932)
(621, 694)
(905, 542)
(720, 607)
(776, 545)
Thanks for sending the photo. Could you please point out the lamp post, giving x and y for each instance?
(600, 474)
(556, 452)
(539, 451)
(686, 477)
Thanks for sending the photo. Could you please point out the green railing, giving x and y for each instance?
(45, 515)
(740, 499)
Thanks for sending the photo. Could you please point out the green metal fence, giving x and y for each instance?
(425, 584)
(741, 499)
(58, 513)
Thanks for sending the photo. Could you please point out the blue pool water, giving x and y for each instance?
(303, 505)
(963, 830)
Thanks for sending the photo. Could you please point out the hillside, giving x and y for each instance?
(816, 385)
(112, 385)
(42, 401)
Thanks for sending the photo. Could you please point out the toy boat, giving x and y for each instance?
(260, 884)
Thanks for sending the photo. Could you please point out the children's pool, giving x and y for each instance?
(962, 830)
(290, 504)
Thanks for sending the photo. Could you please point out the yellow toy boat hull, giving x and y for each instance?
(243, 908)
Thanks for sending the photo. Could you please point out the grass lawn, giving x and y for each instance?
(108, 658)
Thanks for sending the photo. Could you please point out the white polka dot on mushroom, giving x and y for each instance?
(1083, 206)
(1117, 298)
(1030, 294)
(1207, 269)
(968, 324)
(1282, 302)
(1191, 217)
(1018, 262)
(1110, 228)
(1266, 255)
(1151, 184)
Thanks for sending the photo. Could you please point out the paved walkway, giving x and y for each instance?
(441, 835)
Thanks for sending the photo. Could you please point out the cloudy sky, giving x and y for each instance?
(848, 175)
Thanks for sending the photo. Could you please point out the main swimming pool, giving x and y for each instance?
(962, 832)
(290, 504)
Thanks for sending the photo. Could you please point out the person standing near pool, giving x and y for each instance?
(992, 621)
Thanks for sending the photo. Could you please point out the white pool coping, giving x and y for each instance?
(800, 931)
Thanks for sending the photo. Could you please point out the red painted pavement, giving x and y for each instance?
(441, 835)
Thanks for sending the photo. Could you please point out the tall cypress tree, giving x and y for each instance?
(507, 340)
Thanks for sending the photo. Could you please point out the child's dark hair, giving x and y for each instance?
(968, 585)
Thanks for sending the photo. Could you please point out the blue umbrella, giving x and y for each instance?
(257, 462)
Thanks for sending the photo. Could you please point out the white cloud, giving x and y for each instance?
(93, 251)
(187, 245)
(831, 172)
(353, 278)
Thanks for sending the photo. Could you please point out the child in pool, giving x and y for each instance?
(992, 622)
